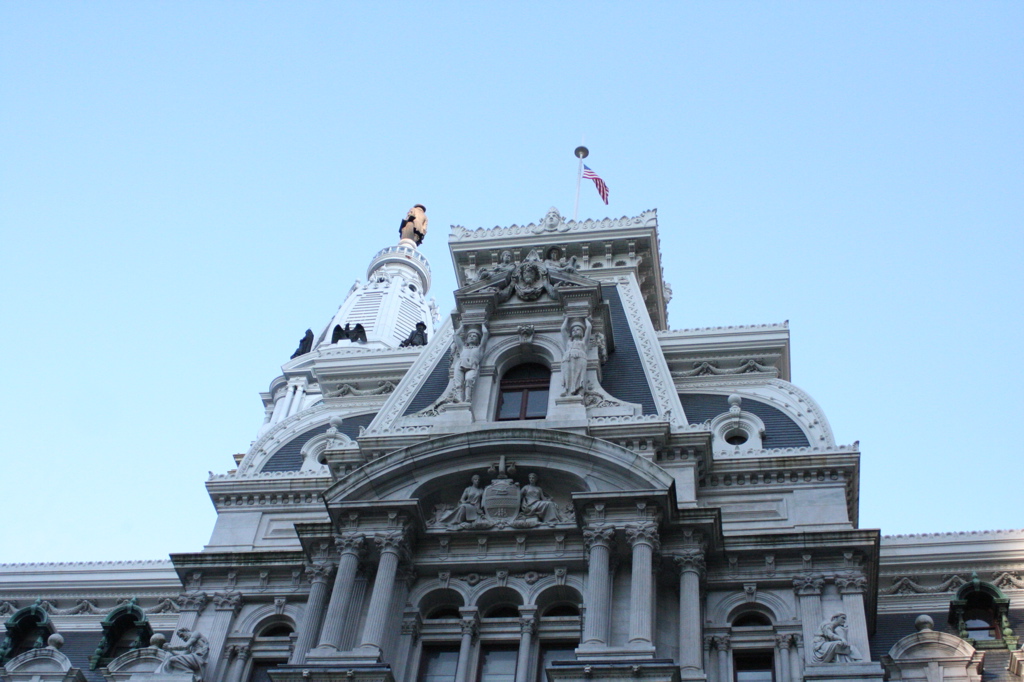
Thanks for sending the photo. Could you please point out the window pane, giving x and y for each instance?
(554, 652)
(537, 403)
(511, 403)
(439, 665)
(499, 665)
(753, 676)
(754, 666)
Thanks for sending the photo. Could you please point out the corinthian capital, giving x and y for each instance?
(469, 626)
(227, 601)
(851, 583)
(643, 533)
(690, 561)
(351, 543)
(192, 601)
(528, 625)
(319, 573)
(391, 541)
(809, 583)
(601, 536)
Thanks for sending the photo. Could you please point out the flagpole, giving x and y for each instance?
(582, 153)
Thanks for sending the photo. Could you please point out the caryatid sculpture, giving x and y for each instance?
(414, 225)
(576, 341)
(469, 345)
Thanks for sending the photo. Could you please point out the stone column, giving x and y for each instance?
(527, 629)
(237, 669)
(599, 583)
(226, 606)
(808, 592)
(796, 659)
(643, 537)
(691, 570)
(392, 544)
(470, 624)
(724, 669)
(782, 643)
(191, 605)
(318, 575)
(409, 649)
(851, 587)
(351, 546)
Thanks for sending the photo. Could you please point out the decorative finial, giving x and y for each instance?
(581, 152)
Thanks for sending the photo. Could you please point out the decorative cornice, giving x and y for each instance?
(646, 219)
(736, 327)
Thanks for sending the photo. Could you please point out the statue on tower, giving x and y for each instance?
(414, 224)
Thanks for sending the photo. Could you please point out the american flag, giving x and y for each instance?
(602, 188)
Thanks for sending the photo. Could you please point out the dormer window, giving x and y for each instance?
(524, 392)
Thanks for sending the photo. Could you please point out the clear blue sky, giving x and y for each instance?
(185, 187)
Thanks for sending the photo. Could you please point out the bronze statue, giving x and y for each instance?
(414, 224)
(417, 337)
(305, 344)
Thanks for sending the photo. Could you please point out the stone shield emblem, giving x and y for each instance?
(501, 501)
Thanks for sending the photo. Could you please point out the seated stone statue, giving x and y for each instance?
(190, 657)
(831, 645)
(538, 504)
(468, 510)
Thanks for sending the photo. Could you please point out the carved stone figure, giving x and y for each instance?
(500, 271)
(529, 281)
(417, 337)
(537, 503)
(190, 657)
(414, 224)
(556, 260)
(468, 509)
(831, 644)
(305, 344)
(470, 347)
(576, 341)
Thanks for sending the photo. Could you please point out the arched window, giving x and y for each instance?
(979, 613)
(751, 619)
(27, 629)
(524, 392)
(124, 629)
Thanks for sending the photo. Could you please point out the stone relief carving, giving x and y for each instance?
(528, 280)
(189, 657)
(907, 585)
(576, 342)
(706, 368)
(383, 388)
(831, 644)
(503, 503)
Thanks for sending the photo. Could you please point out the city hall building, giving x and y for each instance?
(545, 485)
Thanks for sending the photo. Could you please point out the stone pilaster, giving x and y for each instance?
(241, 654)
(724, 644)
(470, 627)
(409, 646)
(191, 604)
(318, 575)
(226, 606)
(851, 586)
(599, 582)
(808, 592)
(350, 546)
(691, 570)
(643, 538)
(392, 545)
(782, 644)
(527, 630)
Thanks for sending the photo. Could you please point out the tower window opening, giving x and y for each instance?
(524, 392)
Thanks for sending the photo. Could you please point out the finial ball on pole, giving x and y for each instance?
(581, 152)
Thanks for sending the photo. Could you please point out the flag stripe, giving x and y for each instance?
(602, 188)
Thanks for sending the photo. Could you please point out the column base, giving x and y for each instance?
(636, 670)
(607, 654)
(332, 672)
(866, 671)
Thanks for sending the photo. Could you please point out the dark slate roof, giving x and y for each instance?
(79, 645)
(892, 627)
(780, 431)
(623, 375)
(289, 457)
(433, 387)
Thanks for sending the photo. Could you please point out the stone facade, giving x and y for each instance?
(555, 485)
